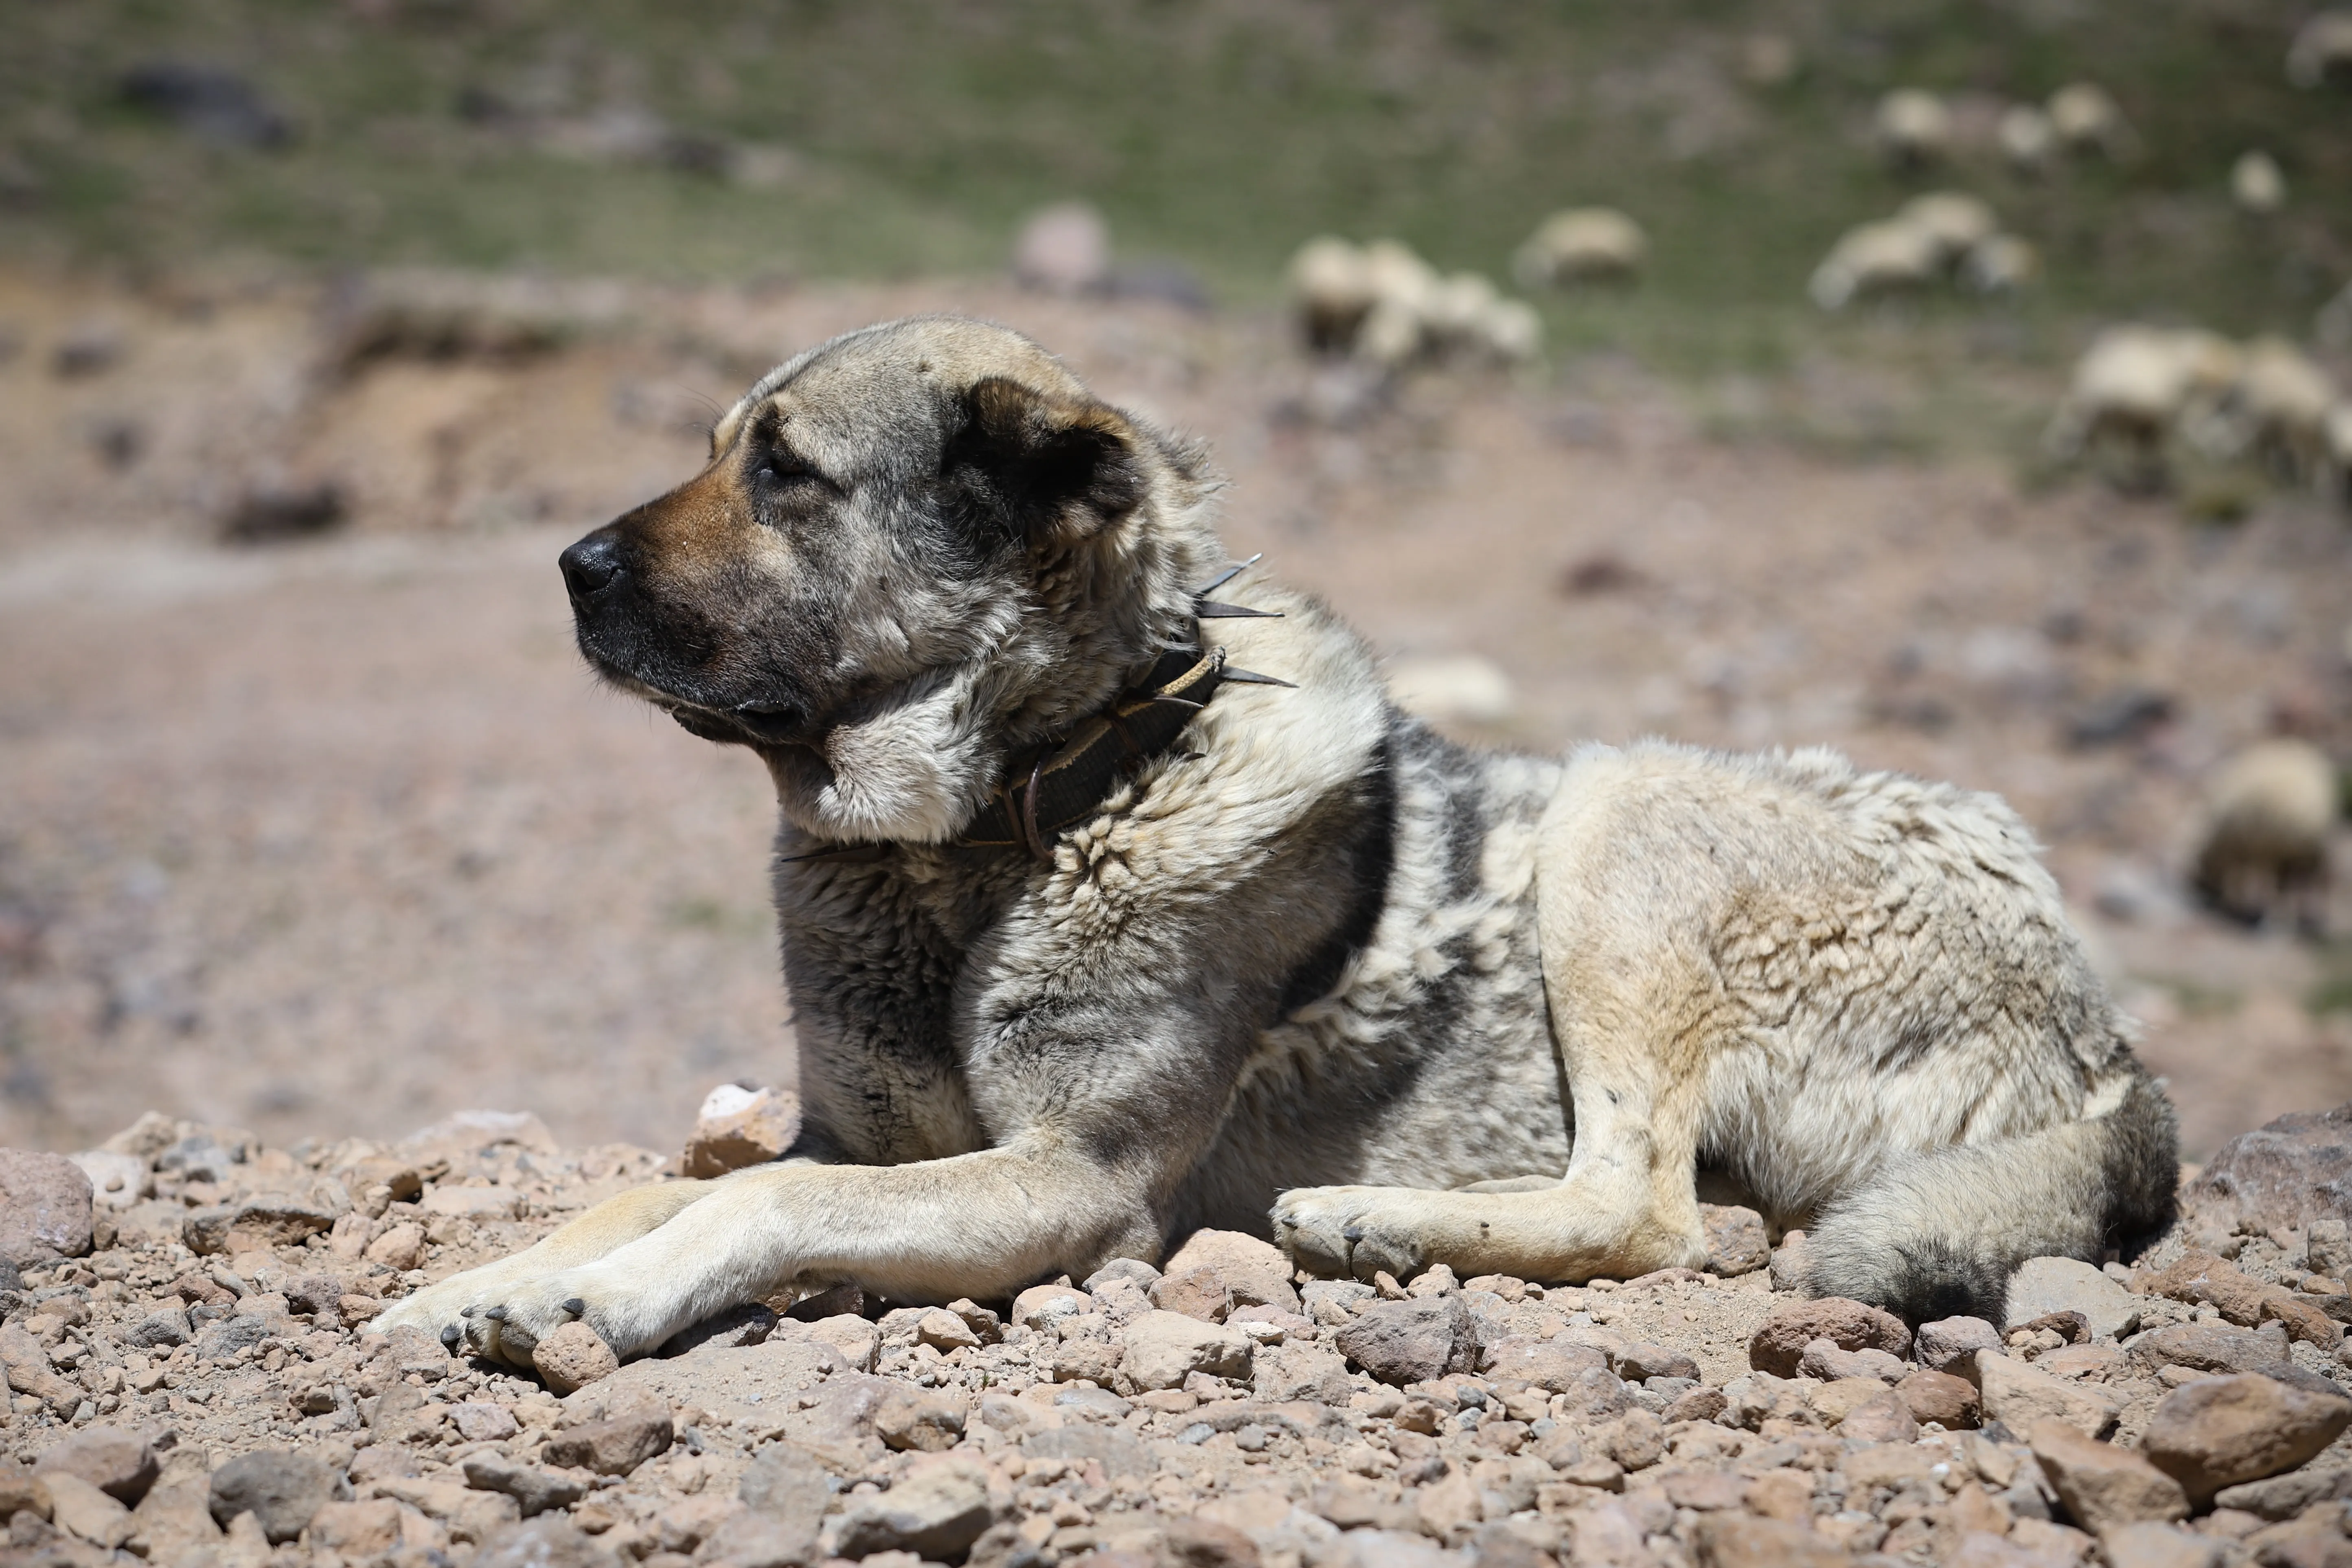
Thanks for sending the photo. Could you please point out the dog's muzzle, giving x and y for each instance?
(591, 567)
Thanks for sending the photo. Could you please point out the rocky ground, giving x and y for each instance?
(192, 1381)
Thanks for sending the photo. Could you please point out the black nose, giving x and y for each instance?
(591, 566)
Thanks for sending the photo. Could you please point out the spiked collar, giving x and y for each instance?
(1053, 787)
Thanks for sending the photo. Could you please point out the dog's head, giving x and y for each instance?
(916, 549)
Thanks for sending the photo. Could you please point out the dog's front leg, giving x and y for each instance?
(983, 1225)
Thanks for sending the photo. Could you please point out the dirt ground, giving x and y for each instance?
(336, 836)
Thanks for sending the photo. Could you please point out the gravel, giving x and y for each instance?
(1435, 1422)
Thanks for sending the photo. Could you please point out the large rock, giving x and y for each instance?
(572, 1356)
(357, 1532)
(1255, 1272)
(45, 1208)
(2149, 1544)
(29, 1371)
(121, 1464)
(1043, 1306)
(2045, 1284)
(1554, 1364)
(535, 1490)
(1951, 1344)
(2103, 1486)
(22, 1491)
(116, 1181)
(2284, 1497)
(1301, 1370)
(552, 1542)
(921, 1419)
(1413, 1340)
(788, 1487)
(1165, 1348)
(2019, 1396)
(1742, 1540)
(280, 1488)
(1780, 1344)
(1951, 1401)
(1864, 1409)
(740, 1127)
(2285, 1173)
(627, 1435)
(1063, 249)
(936, 1512)
(2207, 1280)
(1735, 1243)
(82, 1509)
(2219, 1431)
(2209, 1347)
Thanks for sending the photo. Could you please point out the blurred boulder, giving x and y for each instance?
(740, 1127)
(1063, 249)
(45, 1207)
(211, 104)
(2285, 1173)
(433, 314)
(272, 514)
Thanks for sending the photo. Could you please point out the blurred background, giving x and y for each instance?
(1961, 385)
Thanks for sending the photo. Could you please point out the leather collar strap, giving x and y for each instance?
(1054, 789)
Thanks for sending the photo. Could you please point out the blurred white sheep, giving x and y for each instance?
(1938, 235)
(2338, 472)
(2000, 264)
(2281, 408)
(1873, 260)
(2262, 856)
(2086, 120)
(2139, 386)
(1953, 221)
(2256, 183)
(2322, 50)
(2026, 137)
(1912, 127)
(1383, 304)
(1581, 244)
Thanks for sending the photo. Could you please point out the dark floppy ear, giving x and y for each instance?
(1037, 466)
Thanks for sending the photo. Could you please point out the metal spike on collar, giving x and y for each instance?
(1210, 610)
(1227, 575)
(1252, 678)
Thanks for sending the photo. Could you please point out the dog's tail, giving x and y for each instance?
(1939, 1234)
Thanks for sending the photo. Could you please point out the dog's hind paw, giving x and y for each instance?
(1352, 1232)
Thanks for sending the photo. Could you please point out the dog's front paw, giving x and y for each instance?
(447, 1311)
(507, 1324)
(1350, 1232)
(500, 1311)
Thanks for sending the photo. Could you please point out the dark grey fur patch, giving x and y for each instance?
(2141, 1167)
(1372, 858)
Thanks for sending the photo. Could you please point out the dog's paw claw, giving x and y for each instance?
(1349, 1232)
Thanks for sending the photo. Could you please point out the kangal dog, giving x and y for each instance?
(1098, 932)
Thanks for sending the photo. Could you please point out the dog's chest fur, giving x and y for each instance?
(1348, 903)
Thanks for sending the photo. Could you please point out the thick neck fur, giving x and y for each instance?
(918, 767)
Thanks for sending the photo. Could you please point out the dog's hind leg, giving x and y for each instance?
(1638, 1014)
(1627, 1205)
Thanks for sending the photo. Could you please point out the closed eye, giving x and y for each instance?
(781, 468)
